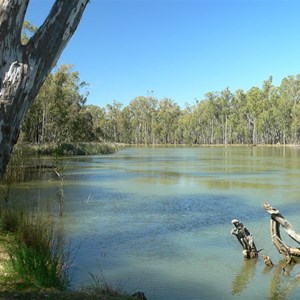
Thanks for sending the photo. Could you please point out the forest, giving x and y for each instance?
(262, 115)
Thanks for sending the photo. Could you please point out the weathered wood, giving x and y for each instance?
(245, 238)
(267, 260)
(276, 221)
(287, 226)
(23, 68)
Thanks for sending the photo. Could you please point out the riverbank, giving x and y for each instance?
(72, 148)
(33, 262)
(212, 145)
(103, 148)
(55, 295)
(32, 160)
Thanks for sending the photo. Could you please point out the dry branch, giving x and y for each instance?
(245, 238)
(276, 220)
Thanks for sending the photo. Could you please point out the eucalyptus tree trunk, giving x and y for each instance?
(23, 68)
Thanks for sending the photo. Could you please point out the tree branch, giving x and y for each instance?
(276, 220)
(287, 226)
(23, 69)
(12, 26)
(49, 41)
(12, 15)
(245, 238)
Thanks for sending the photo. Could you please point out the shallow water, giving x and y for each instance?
(159, 219)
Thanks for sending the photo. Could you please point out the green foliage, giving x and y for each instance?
(266, 115)
(10, 220)
(58, 113)
(27, 31)
(263, 115)
(36, 267)
(37, 262)
(36, 254)
(76, 149)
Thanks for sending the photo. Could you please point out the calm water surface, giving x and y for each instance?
(159, 219)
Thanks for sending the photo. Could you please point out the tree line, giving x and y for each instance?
(263, 115)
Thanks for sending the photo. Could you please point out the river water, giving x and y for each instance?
(159, 219)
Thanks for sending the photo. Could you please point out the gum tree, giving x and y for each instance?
(23, 68)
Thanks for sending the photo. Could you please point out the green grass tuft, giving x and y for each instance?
(36, 252)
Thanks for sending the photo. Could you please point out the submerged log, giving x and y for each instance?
(276, 221)
(245, 238)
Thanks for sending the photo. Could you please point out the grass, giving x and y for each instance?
(33, 260)
(26, 161)
(36, 253)
(77, 148)
(34, 265)
(100, 289)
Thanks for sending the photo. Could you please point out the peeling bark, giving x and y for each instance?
(23, 69)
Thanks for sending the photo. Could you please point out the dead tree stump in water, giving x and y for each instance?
(245, 238)
(276, 220)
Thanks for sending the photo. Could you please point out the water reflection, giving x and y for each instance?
(244, 276)
(282, 280)
(158, 220)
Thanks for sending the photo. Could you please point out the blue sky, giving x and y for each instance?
(179, 49)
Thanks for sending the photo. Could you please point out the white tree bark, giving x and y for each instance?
(23, 68)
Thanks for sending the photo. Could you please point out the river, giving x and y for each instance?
(159, 219)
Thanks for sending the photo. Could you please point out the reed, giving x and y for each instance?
(36, 251)
(101, 289)
(77, 148)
